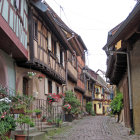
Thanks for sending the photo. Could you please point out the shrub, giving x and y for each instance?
(89, 107)
(117, 103)
(71, 99)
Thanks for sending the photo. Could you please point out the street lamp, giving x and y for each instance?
(129, 76)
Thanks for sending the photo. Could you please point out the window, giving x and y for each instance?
(17, 4)
(54, 47)
(61, 57)
(35, 30)
(50, 86)
(100, 105)
(57, 89)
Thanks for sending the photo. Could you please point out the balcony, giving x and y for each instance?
(88, 94)
(50, 64)
(80, 86)
(72, 73)
(13, 37)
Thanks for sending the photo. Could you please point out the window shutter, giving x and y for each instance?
(53, 87)
(49, 41)
(63, 58)
(46, 86)
(58, 51)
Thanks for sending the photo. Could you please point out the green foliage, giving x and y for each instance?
(93, 113)
(23, 119)
(132, 132)
(71, 99)
(7, 122)
(117, 103)
(37, 111)
(89, 107)
(50, 121)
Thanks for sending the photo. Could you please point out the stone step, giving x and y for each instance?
(37, 136)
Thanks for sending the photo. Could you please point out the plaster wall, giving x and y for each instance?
(7, 70)
(135, 81)
(99, 111)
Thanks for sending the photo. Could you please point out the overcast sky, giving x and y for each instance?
(92, 19)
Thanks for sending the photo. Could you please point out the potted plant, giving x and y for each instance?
(23, 119)
(40, 77)
(7, 122)
(52, 97)
(20, 104)
(38, 113)
(67, 107)
(61, 95)
(44, 118)
(31, 74)
(50, 121)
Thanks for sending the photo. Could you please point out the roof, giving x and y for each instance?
(127, 28)
(63, 26)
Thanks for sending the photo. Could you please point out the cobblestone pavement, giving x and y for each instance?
(97, 128)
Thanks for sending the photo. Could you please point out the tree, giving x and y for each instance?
(117, 104)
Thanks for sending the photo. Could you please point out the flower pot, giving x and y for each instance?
(17, 111)
(68, 117)
(43, 120)
(49, 123)
(38, 116)
(20, 137)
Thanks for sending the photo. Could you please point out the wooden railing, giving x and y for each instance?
(48, 59)
(81, 84)
(72, 69)
(88, 93)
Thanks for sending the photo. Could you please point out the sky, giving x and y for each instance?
(92, 20)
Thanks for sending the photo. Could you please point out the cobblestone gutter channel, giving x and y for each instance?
(95, 128)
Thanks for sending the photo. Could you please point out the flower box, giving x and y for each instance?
(17, 111)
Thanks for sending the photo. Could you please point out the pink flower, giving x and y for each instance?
(4, 113)
(2, 116)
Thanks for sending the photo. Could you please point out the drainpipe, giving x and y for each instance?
(129, 81)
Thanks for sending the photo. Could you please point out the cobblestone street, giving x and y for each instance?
(97, 128)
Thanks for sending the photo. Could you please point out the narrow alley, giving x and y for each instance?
(97, 128)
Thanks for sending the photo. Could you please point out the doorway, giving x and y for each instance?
(95, 108)
(25, 86)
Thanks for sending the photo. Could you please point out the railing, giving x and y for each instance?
(72, 69)
(51, 111)
(88, 93)
(81, 84)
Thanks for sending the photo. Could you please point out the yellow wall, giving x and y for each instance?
(98, 110)
(118, 45)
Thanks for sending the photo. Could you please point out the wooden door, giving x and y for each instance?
(126, 103)
(25, 86)
(95, 108)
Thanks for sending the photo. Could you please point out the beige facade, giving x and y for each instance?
(35, 87)
(135, 75)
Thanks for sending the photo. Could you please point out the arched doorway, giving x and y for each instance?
(25, 86)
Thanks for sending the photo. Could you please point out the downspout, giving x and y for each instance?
(129, 81)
